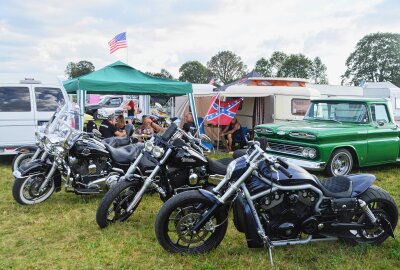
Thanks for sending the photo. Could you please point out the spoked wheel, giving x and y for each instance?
(176, 219)
(383, 207)
(27, 190)
(113, 206)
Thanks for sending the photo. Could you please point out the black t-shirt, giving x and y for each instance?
(107, 129)
(90, 126)
(189, 127)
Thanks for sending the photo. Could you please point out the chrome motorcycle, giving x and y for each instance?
(277, 204)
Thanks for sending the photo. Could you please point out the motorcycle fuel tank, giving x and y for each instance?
(187, 157)
(87, 148)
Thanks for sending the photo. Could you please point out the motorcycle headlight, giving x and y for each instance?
(59, 151)
(148, 146)
(230, 169)
(157, 151)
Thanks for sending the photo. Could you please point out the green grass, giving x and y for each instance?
(61, 233)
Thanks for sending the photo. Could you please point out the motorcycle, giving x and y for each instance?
(179, 165)
(277, 204)
(81, 160)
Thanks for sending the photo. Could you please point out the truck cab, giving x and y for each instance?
(336, 135)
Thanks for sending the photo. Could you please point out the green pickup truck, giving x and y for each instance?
(336, 135)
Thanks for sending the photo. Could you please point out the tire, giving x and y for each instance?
(95, 115)
(116, 194)
(340, 163)
(24, 187)
(388, 208)
(19, 159)
(183, 200)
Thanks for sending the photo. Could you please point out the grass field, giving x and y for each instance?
(61, 233)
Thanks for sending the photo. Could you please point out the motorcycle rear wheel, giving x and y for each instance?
(113, 206)
(382, 205)
(176, 217)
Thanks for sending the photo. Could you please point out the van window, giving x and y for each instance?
(48, 99)
(15, 99)
(300, 106)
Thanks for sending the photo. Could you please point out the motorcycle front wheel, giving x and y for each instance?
(177, 217)
(27, 190)
(113, 206)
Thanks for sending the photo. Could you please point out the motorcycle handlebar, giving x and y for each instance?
(283, 170)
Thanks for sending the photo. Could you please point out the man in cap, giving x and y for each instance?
(108, 128)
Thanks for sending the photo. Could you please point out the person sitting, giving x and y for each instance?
(189, 126)
(122, 125)
(157, 129)
(108, 128)
(89, 124)
(231, 133)
(145, 129)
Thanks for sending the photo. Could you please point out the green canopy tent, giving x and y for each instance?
(120, 78)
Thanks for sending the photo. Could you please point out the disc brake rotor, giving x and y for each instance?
(32, 187)
(184, 226)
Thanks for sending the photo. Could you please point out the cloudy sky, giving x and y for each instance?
(44, 35)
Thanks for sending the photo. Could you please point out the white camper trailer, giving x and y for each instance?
(384, 90)
(275, 102)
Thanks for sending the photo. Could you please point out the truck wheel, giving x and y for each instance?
(340, 163)
(95, 116)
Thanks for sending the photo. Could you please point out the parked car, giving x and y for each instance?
(25, 104)
(106, 102)
(336, 135)
(103, 113)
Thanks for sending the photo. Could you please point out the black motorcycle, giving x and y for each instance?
(86, 164)
(171, 163)
(277, 204)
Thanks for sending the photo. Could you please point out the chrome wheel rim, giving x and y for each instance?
(31, 188)
(341, 164)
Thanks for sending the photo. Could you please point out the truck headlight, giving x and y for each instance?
(309, 152)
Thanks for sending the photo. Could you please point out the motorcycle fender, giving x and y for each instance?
(26, 149)
(361, 182)
(245, 222)
(210, 196)
(38, 165)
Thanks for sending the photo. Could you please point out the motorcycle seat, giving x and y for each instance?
(217, 167)
(336, 186)
(124, 154)
(117, 141)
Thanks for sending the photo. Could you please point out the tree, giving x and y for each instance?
(376, 59)
(296, 66)
(226, 66)
(74, 70)
(263, 67)
(276, 60)
(194, 72)
(162, 74)
(318, 72)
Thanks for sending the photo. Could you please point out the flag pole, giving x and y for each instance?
(219, 115)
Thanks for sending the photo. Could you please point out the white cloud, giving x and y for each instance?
(165, 34)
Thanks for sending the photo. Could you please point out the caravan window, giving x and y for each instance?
(15, 99)
(48, 99)
(300, 106)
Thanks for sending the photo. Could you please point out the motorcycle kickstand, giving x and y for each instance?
(269, 245)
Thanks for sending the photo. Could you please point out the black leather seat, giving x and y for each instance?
(117, 141)
(238, 153)
(336, 187)
(217, 167)
(124, 154)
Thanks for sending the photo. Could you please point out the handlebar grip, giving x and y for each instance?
(283, 163)
(284, 171)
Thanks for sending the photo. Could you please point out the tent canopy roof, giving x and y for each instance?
(263, 91)
(119, 78)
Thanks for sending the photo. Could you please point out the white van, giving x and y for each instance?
(26, 102)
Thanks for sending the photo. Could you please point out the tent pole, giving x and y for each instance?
(80, 95)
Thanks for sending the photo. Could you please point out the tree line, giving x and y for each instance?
(376, 58)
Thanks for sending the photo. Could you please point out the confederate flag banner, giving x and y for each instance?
(222, 112)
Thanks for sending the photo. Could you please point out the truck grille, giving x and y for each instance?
(285, 148)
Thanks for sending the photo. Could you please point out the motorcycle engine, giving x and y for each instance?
(285, 211)
(88, 169)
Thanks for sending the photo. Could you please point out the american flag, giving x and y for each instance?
(118, 42)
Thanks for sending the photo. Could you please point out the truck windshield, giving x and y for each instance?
(337, 111)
